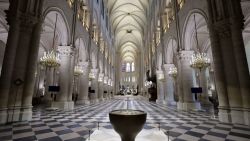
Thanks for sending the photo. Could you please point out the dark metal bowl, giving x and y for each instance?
(127, 123)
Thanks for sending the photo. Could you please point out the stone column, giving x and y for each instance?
(100, 92)
(160, 87)
(105, 88)
(189, 102)
(64, 97)
(108, 88)
(220, 80)
(203, 83)
(241, 63)
(94, 86)
(231, 73)
(23, 34)
(100, 89)
(49, 81)
(169, 85)
(8, 63)
(84, 85)
(179, 84)
(28, 90)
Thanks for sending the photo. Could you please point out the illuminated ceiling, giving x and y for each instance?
(128, 20)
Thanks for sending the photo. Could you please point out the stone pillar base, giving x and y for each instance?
(26, 114)
(247, 117)
(158, 101)
(13, 114)
(94, 101)
(237, 116)
(186, 106)
(171, 103)
(179, 105)
(224, 115)
(234, 115)
(83, 102)
(3, 116)
(101, 99)
(64, 105)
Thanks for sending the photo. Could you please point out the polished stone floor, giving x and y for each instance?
(76, 125)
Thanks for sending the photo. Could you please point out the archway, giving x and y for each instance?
(3, 38)
(196, 38)
(246, 37)
(47, 76)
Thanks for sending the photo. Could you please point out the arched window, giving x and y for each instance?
(128, 67)
(133, 67)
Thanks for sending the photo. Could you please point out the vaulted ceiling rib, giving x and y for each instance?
(128, 20)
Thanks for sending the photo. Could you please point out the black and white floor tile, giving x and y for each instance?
(76, 125)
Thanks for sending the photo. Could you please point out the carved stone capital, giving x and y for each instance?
(27, 13)
(84, 64)
(185, 55)
(65, 50)
(168, 66)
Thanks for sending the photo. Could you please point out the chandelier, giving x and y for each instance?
(199, 61)
(78, 70)
(91, 75)
(161, 76)
(109, 82)
(50, 59)
(100, 77)
(173, 72)
(105, 80)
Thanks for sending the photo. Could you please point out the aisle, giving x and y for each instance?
(75, 125)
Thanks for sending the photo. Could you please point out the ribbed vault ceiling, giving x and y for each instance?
(128, 20)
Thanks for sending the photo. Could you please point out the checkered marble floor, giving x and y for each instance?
(77, 124)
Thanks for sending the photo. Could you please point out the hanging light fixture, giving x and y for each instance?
(161, 76)
(100, 77)
(105, 80)
(173, 72)
(51, 58)
(78, 70)
(109, 82)
(199, 60)
(91, 75)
